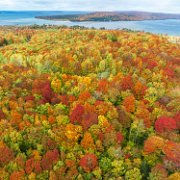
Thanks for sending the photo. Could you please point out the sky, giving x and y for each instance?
(171, 6)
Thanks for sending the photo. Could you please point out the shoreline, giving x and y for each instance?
(172, 38)
(164, 27)
(48, 19)
(106, 16)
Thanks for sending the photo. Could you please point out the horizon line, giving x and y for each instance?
(91, 11)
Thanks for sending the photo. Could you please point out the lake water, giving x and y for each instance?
(170, 26)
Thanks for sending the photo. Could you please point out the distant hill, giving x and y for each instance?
(113, 16)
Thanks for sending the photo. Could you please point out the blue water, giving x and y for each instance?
(170, 26)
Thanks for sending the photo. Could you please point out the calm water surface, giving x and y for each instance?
(170, 27)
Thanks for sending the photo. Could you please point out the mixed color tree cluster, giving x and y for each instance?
(88, 104)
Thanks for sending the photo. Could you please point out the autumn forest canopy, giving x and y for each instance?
(88, 104)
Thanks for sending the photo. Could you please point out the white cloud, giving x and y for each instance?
(92, 5)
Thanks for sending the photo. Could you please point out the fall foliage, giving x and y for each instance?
(88, 104)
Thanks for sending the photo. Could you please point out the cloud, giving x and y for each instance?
(172, 6)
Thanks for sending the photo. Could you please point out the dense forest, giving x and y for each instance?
(88, 104)
(113, 16)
